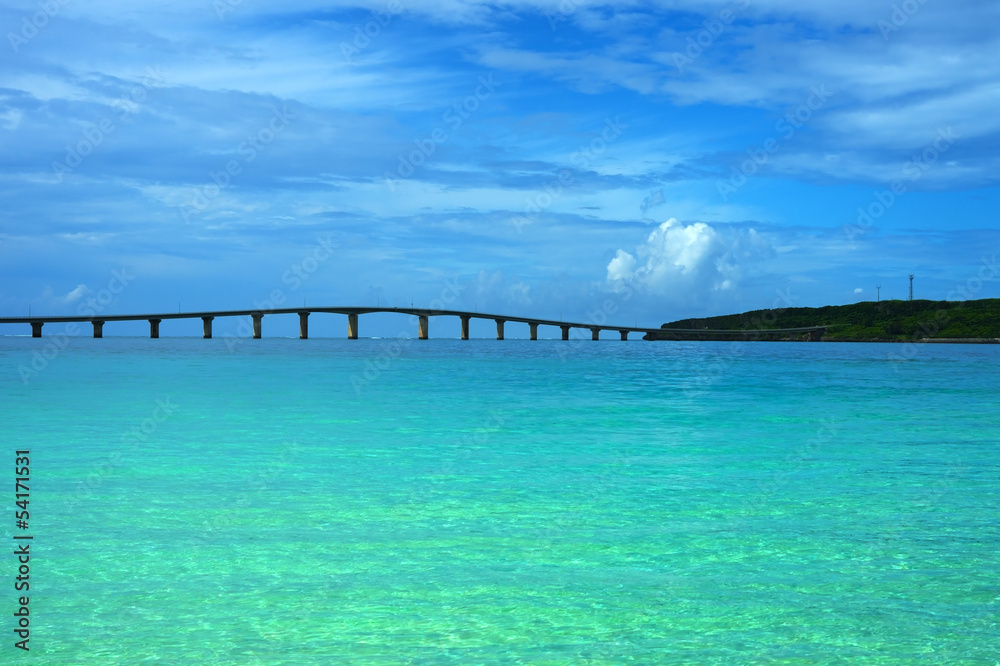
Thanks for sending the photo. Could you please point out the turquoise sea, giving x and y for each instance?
(330, 501)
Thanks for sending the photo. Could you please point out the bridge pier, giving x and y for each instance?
(98, 329)
(624, 335)
(533, 328)
(257, 318)
(500, 323)
(465, 326)
(36, 329)
(154, 328)
(422, 327)
(595, 334)
(206, 327)
(565, 332)
(816, 336)
(303, 326)
(352, 327)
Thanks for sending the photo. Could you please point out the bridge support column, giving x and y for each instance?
(98, 329)
(533, 328)
(816, 336)
(465, 326)
(500, 323)
(422, 327)
(257, 319)
(206, 327)
(303, 326)
(565, 332)
(352, 327)
(595, 334)
(36, 329)
(154, 328)
(624, 335)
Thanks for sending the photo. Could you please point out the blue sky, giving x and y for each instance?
(546, 158)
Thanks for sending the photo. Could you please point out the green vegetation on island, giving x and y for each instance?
(886, 321)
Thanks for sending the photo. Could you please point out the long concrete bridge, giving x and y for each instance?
(423, 315)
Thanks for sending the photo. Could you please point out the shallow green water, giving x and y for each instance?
(507, 502)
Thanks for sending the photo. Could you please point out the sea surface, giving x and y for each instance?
(398, 501)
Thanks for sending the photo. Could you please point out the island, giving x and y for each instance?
(974, 321)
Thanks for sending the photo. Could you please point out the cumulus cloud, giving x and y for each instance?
(75, 295)
(690, 259)
(859, 290)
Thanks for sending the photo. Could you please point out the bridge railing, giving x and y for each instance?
(423, 324)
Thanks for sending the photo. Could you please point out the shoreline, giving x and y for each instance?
(955, 341)
(750, 337)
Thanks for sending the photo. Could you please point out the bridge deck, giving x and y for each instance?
(419, 312)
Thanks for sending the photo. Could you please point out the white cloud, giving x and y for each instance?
(75, 295)
(693, 260)
(859, 290)
(889, 95)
